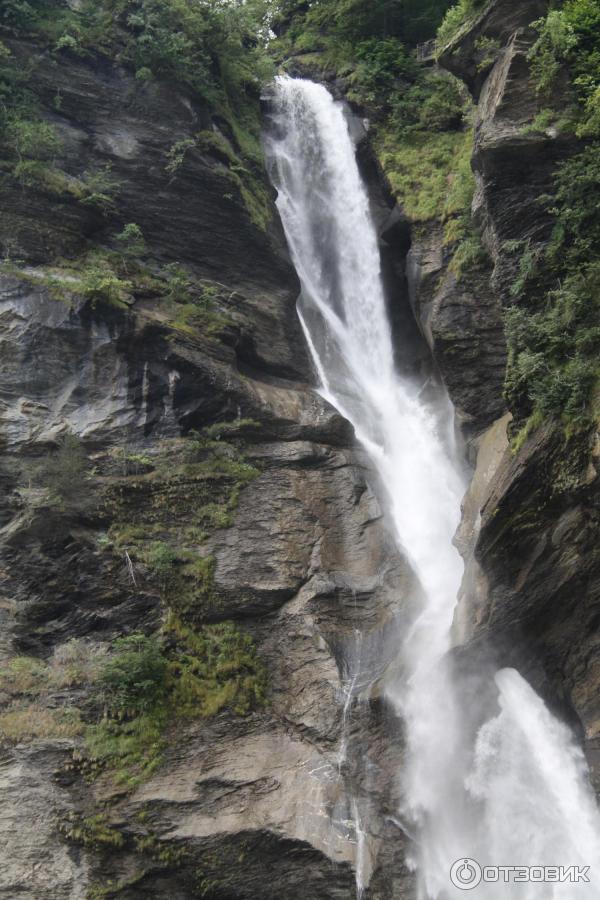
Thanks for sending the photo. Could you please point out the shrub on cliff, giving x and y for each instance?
(214, 50)
(63, 471)
(419, 117)
(145, 684)
(133, 679)
(553, 332)
(354, 20)
(569, 41)
(456, 17)
(16, 15)
(552, 329)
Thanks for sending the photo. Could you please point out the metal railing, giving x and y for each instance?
(427, 52)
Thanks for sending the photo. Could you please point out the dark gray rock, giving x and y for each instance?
(500, 21)
(304, 563)
(529, 535)
(462, 322)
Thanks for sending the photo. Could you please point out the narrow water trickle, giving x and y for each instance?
(350, 683)
(514, 790)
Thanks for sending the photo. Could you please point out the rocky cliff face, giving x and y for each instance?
(531, 583)
(269, 523)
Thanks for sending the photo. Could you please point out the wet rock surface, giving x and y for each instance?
(302, 559)
(257, 805)
(529, 530)
(462, 322)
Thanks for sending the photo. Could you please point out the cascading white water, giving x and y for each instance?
(479, 800)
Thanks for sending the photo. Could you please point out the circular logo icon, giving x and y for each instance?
(466, 874)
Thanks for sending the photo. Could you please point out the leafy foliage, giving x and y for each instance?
(552, 329)
(418, 115)
(19, 15)
(379, 66)
(145, 684)
(425, 150)
(215, 49)
(132, 681)
(456, 17)
(570, 37)
(131, 244)
(354, 20)
(63, 471)
(100, 283)
(161, 560)
(214, 668)
(30, 139)
(177, 154)
(554, 337)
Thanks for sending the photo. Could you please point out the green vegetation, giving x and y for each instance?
(198, 315)
(553, 335)
(32, 720)
(214, 668)
(487, 50)
(420, 118)
(163, 515)
(131, 244)
(569, 39)
(24, 675)
(130, 749)
(101, 284)
(424, 144)
(457, 17)
(97, 833)
(131, 682)
(145, 684)
(420, 169)
(30, 145)
(31, 142)
(176, 154)
(94, 832)
(161, 561)
(552, 329)
(420, 131)
(98, 189)
(64, 471)
(25, 683)
(28, 676)
(216, 51)
(320, 24)
(118, 277)
(531, 425)
(159, 851)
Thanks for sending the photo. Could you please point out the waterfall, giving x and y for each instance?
(512, 792)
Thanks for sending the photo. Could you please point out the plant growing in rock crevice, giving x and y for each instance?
(132, 680)
(551, 328)
(147, 683)
(163, 516)
(131, 244)
(177, 154)
(64, 471)
(94, 831)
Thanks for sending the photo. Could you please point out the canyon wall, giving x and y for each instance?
(269, 521)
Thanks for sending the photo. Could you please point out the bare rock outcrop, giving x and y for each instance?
(287, 538)
(530, 594)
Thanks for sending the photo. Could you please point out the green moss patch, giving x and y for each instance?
(147, 684)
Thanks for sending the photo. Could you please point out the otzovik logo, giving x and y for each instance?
(467, 874)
